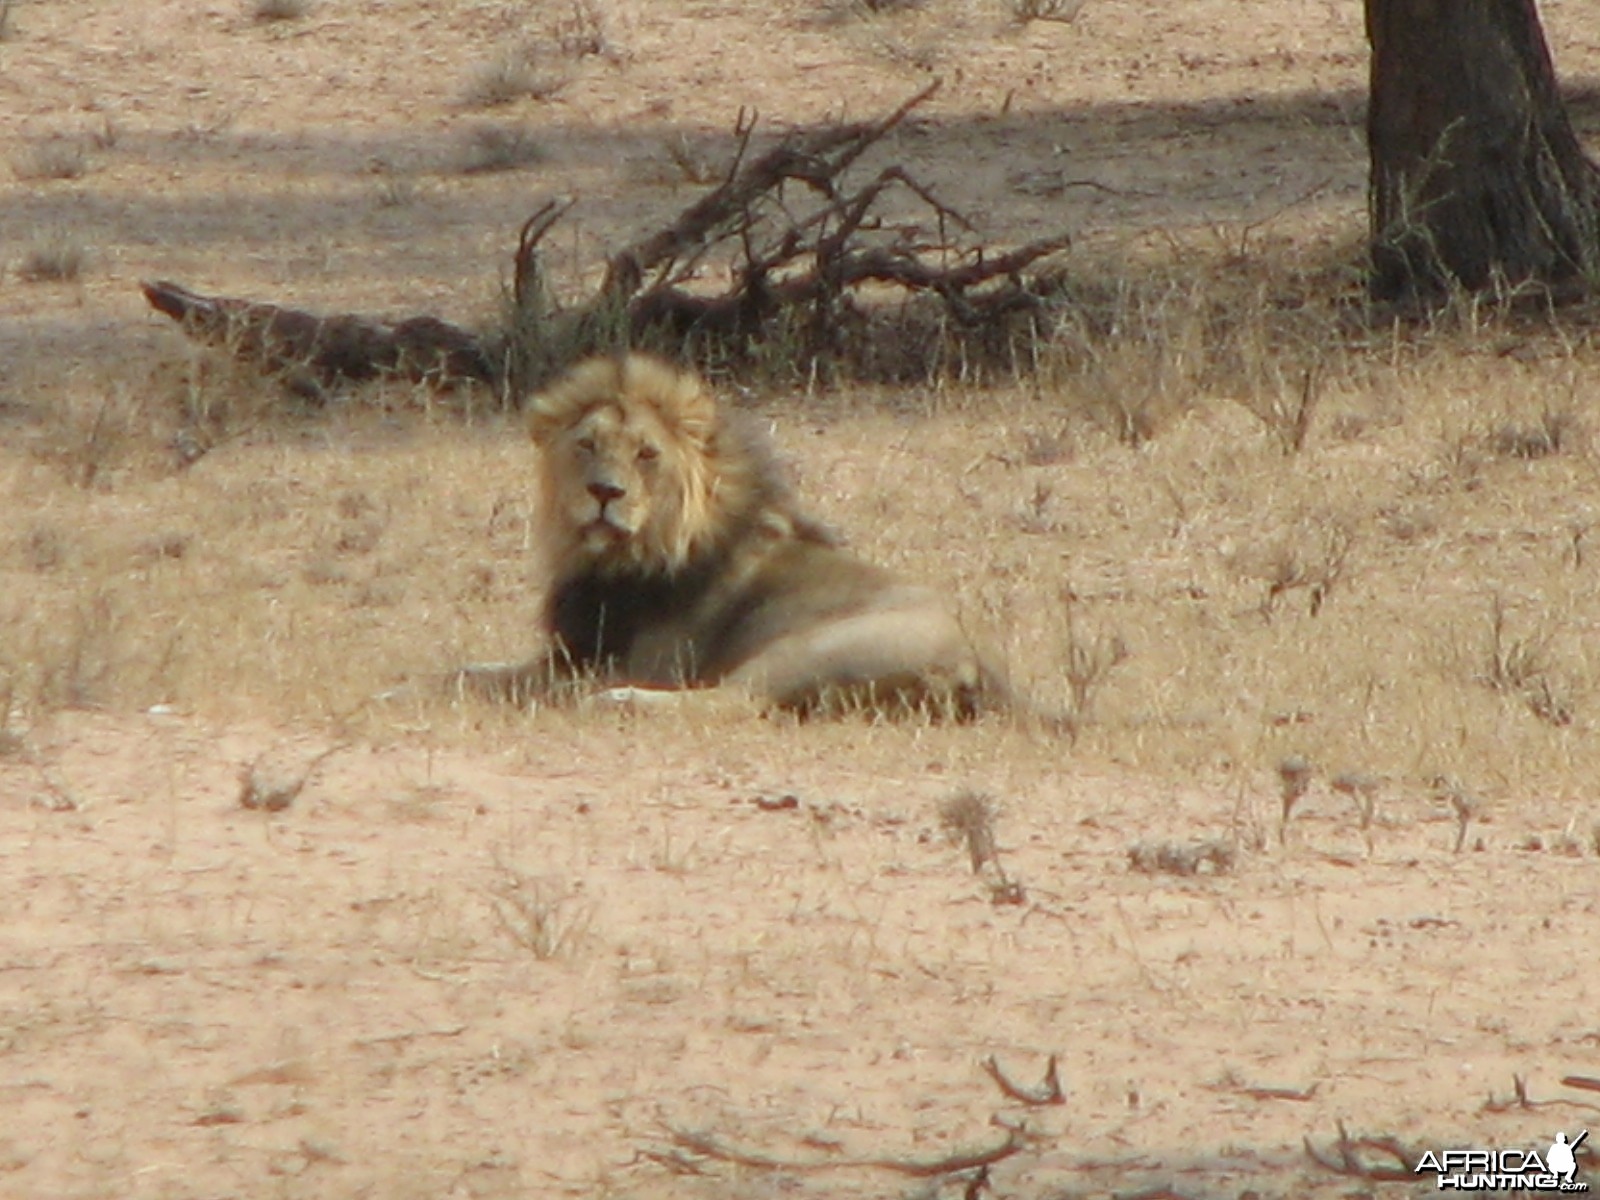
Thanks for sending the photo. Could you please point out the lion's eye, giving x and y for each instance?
(648, 453)
(586, 444)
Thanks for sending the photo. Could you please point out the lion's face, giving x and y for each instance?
(612, 463)
(631, 477)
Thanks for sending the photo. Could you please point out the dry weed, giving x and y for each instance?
(1314, 557)
(57, 257)
(1557, 431)
(582, 32)
(1065, 11)
(98, 436)
(269, 11)
(52, 159)
(968, 818)
(493, 148)
(516, 74)
(546, 916)
(1090, 658)
(1520, 667)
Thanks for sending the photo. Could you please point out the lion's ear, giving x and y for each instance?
(542, 426)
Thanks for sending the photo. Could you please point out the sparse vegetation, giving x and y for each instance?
(51, 159)
(57, 257)
(1556, 431)
(270, 11)
(581, 32)
(1066, 11)
(492, 148)
(1090, 658)
(547, 917)
(1520, 667)
(540, 938)
(516, 74)
(968, 818)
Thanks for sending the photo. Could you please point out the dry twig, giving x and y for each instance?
(1047, 1093)
(709, 1146)
(1354, 1157)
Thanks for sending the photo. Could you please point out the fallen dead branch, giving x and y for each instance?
(311, 353)
(1380, 1158)
(1049, 1092)
(709, 1146)
(821, 279)
(1267, 1091)
(1519, 1098)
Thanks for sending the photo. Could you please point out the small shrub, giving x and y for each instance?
(1090, 660)
(1520, 667)
(513, 76)
(57, 158)
(1023, 11)
(1556, 430)
(1313, 557)
(546, 917)
(968, 818)
(268, 11)
(57, 258)
(500, 148)
(582, 33)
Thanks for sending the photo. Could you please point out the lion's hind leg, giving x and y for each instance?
(894, 661)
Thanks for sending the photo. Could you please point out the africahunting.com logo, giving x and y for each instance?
(1508, 1170)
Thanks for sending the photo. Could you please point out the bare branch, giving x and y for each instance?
(709, 1146)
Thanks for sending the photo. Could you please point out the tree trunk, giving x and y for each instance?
(1478, 179)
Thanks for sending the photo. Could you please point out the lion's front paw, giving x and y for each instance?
(638, 698)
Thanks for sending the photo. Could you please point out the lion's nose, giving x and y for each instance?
(605, 491)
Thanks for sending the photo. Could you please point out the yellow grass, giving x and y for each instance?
(498, 954)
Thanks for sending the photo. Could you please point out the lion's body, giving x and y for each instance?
(678, 559)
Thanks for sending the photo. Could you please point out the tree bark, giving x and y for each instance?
(1478, 179)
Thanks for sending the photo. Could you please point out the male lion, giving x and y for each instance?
(678, 559)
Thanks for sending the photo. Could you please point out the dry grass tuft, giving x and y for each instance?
(493, 148)
(52, 159)
(1520, 667)
(582, 32)
(518, 74)
(1557, 431)
(1065, 11)
(57, 257)
(547, 917)
(1312, 557)
(968, 818)
(271, 11)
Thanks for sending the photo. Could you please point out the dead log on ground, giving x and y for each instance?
(312, 353)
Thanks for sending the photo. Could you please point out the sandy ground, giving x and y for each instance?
(476, 957)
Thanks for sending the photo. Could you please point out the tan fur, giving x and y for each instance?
(678, 559)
